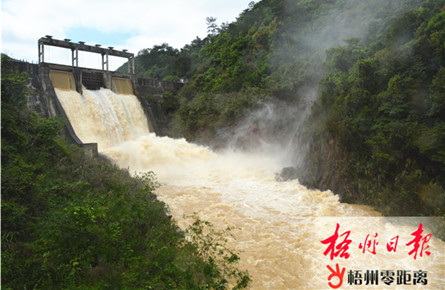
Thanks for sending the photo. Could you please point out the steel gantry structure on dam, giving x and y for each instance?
(75, 47)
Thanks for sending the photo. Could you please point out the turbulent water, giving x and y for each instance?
(280, 224)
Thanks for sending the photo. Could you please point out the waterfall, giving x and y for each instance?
(281, 224)
(101, 116)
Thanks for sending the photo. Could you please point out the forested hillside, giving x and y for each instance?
(371, 73)
(383, 106)
(72, 222)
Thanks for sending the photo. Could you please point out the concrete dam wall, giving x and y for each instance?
(43, 99)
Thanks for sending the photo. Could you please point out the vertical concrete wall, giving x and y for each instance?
(43, 100)
(37, 100)
(151, 93)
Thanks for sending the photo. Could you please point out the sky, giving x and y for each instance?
(123, 24)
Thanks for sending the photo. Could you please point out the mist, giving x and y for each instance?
(280, 126)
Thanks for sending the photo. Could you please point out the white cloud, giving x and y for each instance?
(150, 22)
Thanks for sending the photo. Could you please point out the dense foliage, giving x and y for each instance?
(375, 69)
(384, 102)
(69, 221)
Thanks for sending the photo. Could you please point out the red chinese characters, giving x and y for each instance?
(336, 250)
(338, 246)
(339, 249)
(416, 242)
(368, 243)
(392, 246)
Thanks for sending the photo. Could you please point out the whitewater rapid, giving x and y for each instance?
(280, 224)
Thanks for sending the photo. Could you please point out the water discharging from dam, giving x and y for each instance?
(281, 224)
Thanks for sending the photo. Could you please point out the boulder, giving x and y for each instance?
(287, 173)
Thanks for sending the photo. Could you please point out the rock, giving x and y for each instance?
(287, 173)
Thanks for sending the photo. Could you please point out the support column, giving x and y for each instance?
(105, 61)
(75, 57)
(41, 53)
(131, 65)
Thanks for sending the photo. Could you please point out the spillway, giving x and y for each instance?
(280, 224)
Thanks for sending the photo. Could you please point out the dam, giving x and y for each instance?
(48, 77)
